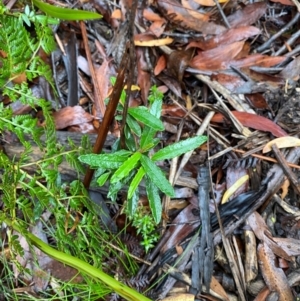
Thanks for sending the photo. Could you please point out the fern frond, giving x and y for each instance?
(45, 37)
(16, 46)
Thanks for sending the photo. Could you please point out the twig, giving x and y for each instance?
(279, 33)
(244, 131)
(232, 99)
(222, 13)
(186, 157)
(108, 117)
(286, 169)
(289, 42)
(229, 149)
(228, 250)
(92, 70)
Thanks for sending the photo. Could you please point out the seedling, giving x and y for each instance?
(129, 167)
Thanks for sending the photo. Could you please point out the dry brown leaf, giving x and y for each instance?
(182, 17)
(172, 110)
(228, 37)
(178, 61)
(158, 27)
(248, 15)
(254, 121)
(289, 245)
(154, 43)
(218, 288)
(144, 77)
(282, 142)
(116, 14)
(285, 188)
(284, 2)
(261, 230)
(209, 2)
(160, 65)
(151, 16)
(180, 297)
(257, 100)
(179, 249)
(217, 58)
(103, 74)
(258, 225)
(229, 81)
(274, 277)
(291, 70)
(266, 78)
(68, 116)
(258, 60)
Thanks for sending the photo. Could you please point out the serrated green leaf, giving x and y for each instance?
(103, 178)
(154, 199)
(126, 167)
(179, 148)
(108, 161)
(157, 176)
(142, 115)
(135, 182)
(65, 13)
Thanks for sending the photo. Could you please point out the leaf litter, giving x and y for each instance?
(175, 42)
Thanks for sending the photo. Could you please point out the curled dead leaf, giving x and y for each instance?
(68, 116)
(282, 142)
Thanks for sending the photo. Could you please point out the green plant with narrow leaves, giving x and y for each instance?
(129, 167)
(31, 187)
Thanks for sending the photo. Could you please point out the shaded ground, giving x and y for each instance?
(230, 72)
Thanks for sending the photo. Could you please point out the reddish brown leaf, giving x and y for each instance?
(258, 60)
(103, 74)
(228, 37)
(231, 82)
(284, 2)
(171, 83)
(254, 121)
(274, 277)
(178, 61)
(257, 100)
(182, 17)
(68, 116)
(217, 58)
(151, 16)
(248, 15)
(265, 78)
(160, 65)
(158, 27)
(144, 37)
(181, 229)
(172, 110)
(143, 78)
